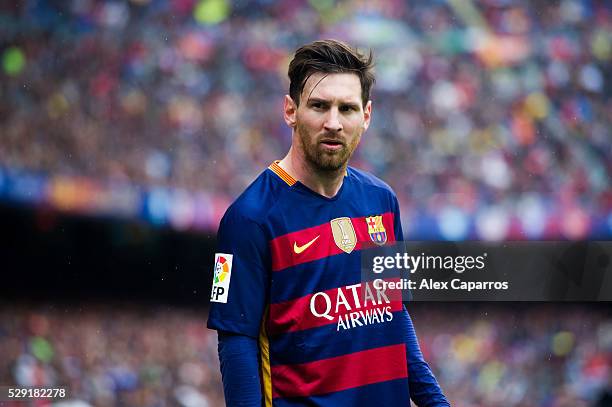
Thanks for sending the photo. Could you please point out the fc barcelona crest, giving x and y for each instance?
(376, 229)
(344, 234)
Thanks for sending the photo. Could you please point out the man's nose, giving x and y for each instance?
(332, 121)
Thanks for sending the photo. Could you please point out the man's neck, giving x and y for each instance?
(326, 183)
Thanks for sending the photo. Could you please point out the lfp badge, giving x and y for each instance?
(376, 229)
(221, 277)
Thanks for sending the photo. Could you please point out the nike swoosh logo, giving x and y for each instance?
(299, 249)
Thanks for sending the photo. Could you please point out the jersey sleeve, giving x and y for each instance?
(238, 357)
(423, 386)
(240, 281)
(397, 221)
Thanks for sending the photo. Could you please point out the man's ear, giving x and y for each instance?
(367, 115)
(290, 111)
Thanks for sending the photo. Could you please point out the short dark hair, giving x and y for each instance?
(330, 56)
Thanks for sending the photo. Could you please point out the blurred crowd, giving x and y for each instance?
(527, 355)
(112, 356)
(488, 355)
(491, 120)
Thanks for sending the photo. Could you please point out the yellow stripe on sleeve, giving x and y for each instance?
(266, 375)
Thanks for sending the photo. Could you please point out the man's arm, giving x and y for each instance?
(424, 388)
(237, 317)
(238, 355)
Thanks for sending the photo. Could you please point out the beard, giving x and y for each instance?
(321, 158)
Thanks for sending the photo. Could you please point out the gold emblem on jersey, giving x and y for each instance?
(344, 234)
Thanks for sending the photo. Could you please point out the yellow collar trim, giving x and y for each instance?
(282, 173)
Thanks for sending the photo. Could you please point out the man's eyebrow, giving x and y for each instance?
(327, 101)
(318, 100)
(351, 104)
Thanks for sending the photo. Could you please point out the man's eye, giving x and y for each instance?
(346, 108)
(317, 105)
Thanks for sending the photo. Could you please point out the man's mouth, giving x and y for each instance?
(332, 144)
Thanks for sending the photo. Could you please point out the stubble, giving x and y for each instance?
(322, 159)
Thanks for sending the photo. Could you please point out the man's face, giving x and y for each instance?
(330, 119)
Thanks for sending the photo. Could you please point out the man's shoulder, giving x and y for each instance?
(370, 181)
(255, 202)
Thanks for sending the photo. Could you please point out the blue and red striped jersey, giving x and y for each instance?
(288, 272)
